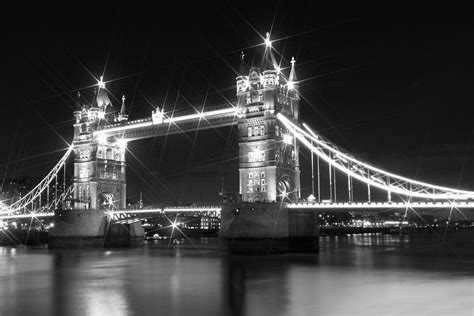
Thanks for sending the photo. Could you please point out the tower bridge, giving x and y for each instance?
(269, 207)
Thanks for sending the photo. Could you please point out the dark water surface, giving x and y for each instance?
(352, 275)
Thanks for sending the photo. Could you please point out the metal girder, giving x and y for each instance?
(369, 174)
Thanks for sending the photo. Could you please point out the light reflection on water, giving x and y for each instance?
(352, 275)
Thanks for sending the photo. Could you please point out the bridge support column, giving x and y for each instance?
(265, 228)
(92, 228)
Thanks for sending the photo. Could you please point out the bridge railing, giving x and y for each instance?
(39, 189)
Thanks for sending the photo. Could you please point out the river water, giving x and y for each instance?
(376, 274)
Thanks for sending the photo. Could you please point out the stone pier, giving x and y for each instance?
(266, 228)
(92, 228)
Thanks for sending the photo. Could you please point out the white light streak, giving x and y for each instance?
(290, 85)
(101, 139)
(101, 83)
(382, 205)
(101, 115)
(122, 143)
(209, 114)
(288, 139)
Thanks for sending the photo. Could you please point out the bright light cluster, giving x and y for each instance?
(101, 83)
(288, 139)
(268, 43)
(122, 143)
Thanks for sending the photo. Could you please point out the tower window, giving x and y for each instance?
(255, 156)
(109, 154)
(83, 173)
(249, 131)
(249, 186)
(255, 131)
(262, 130)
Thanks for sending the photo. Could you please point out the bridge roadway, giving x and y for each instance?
(326, 207)
(150, 127)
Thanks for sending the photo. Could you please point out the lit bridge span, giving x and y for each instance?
(159, 124)
(414, 194)
(271, 134)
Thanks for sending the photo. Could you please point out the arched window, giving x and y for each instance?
(109, 154)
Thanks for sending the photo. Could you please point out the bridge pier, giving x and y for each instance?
(266, 228)
(92, 229)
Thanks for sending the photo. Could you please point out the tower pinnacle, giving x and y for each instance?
(101, 83)
(268, 43)
(292, 77)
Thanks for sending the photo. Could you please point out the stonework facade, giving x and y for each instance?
(268, 154)
(99, 162)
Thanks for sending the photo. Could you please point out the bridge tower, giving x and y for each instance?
(99, 162)
(269, 156)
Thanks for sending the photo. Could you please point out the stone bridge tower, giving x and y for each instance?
(99, 162)
(268, 154)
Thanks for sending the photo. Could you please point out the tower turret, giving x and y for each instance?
(122, 115)
(242, 79)
(78, 108)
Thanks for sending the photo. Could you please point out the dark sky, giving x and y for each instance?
(391, 85)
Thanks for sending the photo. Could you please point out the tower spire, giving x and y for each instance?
(122, 116)
(78, 101)
(122, 109)
(243, 70)
(268, 61)
(292, 78)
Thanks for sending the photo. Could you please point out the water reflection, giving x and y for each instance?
(352, 275)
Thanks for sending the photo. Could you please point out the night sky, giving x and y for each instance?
(393, 86)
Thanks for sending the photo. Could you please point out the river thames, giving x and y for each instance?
(371, 274)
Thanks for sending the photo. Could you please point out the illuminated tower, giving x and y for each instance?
(269, 162)
(99, 163)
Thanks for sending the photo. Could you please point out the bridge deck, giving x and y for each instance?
(147, 128)
(326, 207)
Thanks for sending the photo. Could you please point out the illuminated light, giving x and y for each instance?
(122, 143)
(291, 85)
(268, 43)
(278, 69)
(174, 225)
(246, 84)
(101, 139)
(101, 115)
(101, 83)
(287, 139)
